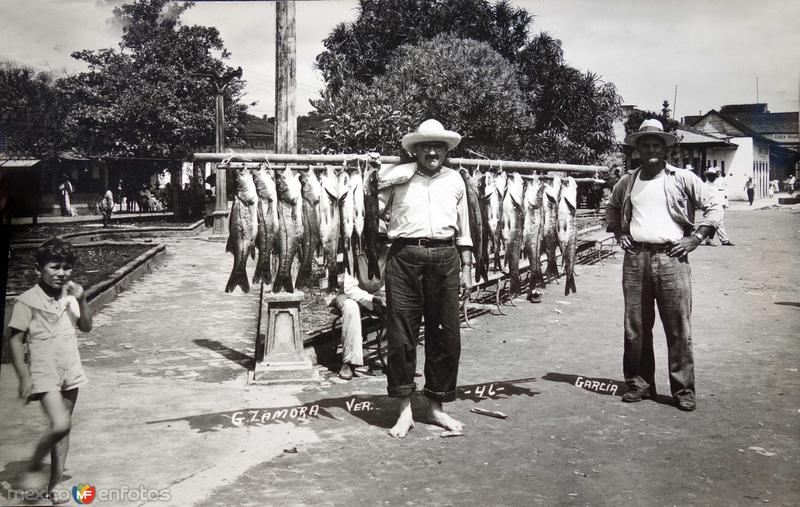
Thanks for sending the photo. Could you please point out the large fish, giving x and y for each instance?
(475, 222)
(512, 228)
(485, 193)
(267, 212)
(243, 229)
(347, 210)
(290, 227)
(567, 230)
(357, 188)
(372, 218)
(496, 214)
(550, 237)
(311, 191)
(532, 232)
(330, 227)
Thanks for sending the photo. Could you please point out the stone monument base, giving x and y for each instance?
(280, 358)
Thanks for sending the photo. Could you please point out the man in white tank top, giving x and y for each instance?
(652, 214)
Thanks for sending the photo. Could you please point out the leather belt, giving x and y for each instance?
(424, 242)
(652, 247)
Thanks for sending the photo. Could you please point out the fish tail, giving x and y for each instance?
(283, 283)
(238, 278)
(570, 285)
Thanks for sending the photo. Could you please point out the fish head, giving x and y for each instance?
(500, 182)
(265, 184)
(486, 185)
(310, 186)
(245, 186)
(569, 192)
(344, 184)
(533, 193)
(515, 188)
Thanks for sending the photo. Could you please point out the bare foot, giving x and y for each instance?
(437, 415)
(405, 421)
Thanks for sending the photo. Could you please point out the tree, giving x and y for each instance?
(568, 115)
(32, 111)
(473, 92)
(141, 99)
(361, 50)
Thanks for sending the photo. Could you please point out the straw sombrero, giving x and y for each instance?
(431, 131)
(651, 127)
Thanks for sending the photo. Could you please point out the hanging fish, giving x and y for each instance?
(550, 237)
(372, 218)
(485, 191)
(567, 230)
(267, 221)
(512, 228)
(243, 229)
(357, 188)
(311, 192)
(475, 222)
(532, 232)
(496, 214)
(347, 210)
(330, 224)
(290, 227)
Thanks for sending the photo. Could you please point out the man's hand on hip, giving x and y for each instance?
(683, 246)
(625, 241)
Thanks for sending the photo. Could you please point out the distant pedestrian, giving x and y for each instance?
(652, 215)
(773, 187)
(750, 188)
(106, 206)
(715, 187)
(790, 184)
(65, 190)
(46, 317)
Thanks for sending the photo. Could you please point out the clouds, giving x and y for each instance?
(712, 49)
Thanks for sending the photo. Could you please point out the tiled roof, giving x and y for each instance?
(769, 123)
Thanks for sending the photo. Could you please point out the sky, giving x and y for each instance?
(712, 50)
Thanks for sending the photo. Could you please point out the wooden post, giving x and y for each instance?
(221, 187)
(285, 66)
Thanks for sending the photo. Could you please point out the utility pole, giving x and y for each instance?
(285, 82)
(221, 189)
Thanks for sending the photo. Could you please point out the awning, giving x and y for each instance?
(692, 138)
(19, 162)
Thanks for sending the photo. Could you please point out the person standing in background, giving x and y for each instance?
(715, 186)
(750, 188)
(65, 190)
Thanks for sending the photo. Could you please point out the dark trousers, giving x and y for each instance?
(654, 277)
(423, 281)
(751, 193)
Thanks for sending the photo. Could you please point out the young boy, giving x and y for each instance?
(46, 316)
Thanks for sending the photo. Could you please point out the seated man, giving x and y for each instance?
(359, 291)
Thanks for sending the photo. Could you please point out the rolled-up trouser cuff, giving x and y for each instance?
(440, 396)
(401, 391)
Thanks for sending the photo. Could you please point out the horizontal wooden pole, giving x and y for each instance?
(303, 162)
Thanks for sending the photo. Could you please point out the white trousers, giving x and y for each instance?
(352, 350)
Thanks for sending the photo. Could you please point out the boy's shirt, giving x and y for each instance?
(43, 317)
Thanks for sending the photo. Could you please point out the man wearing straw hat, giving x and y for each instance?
(428, 265)
(652, 214)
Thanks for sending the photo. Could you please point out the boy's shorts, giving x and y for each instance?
(56, 367)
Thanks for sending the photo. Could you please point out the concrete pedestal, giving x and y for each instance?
(279, 346)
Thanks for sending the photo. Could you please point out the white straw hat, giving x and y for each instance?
(651, 127)
(431, 131)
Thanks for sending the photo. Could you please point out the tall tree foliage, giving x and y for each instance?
(32, 111)
(464, 83)
(569, 114)
(144, 98)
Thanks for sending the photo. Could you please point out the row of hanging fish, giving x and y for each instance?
(529, 217)
(291, 215)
